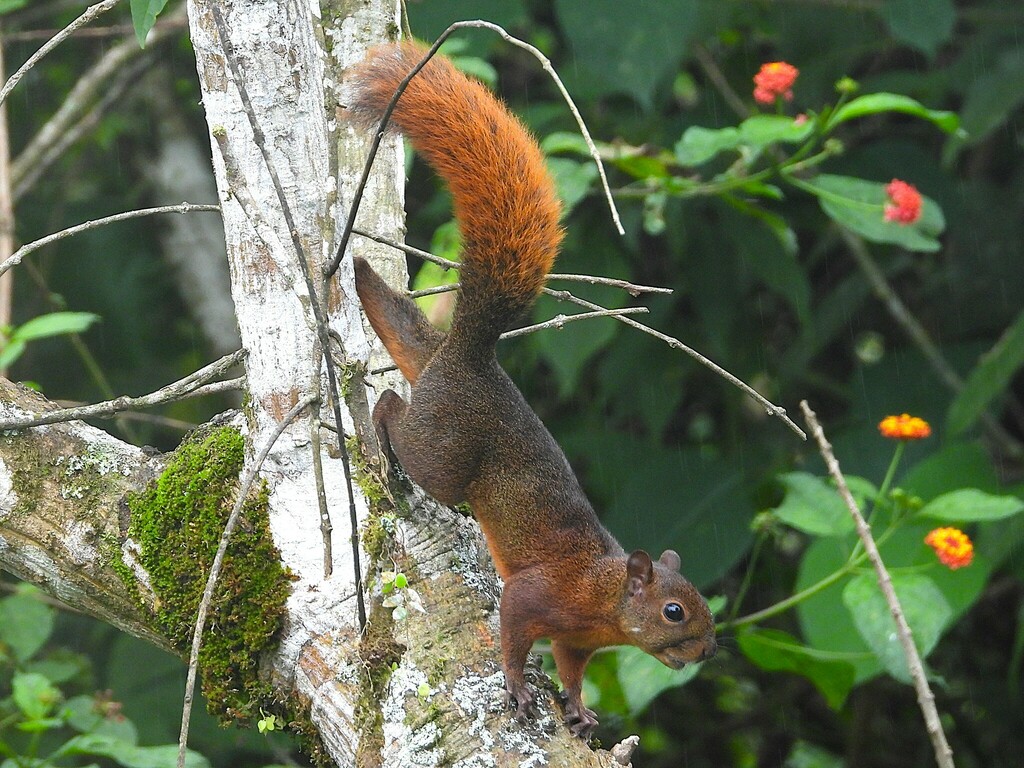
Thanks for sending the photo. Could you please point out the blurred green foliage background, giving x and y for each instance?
(672, 455)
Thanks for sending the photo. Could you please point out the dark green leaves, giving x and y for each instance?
(859, 206)
(778, 651)
(925, 607)
(989, 379)
(876, 103)
(969, 505)
(619, 48)
(924, 24)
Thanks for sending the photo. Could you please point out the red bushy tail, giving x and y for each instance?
(504, 199)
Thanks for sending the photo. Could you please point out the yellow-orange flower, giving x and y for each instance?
(953, 547)
(905, 202)
(904, 427)
(774, 79)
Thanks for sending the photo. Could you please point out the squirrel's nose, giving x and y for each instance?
(710, 649)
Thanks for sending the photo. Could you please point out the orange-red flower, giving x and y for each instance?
(904, 427)
(774, 79)
(905, 202)
(953, 547)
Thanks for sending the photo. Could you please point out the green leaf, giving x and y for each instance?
(924, 24)
(807, 755)
(59, 666)
(144, 13)
(54, 324)
(642, 166)
(83, 714)
(573, 180)
(25, 624)
(11, 352)
(33, 694)
(565, 141)
(446, 243)
(6, 6)
(698, 144)
(859, 206)
(991, 99)
(924, 606)
(989, 379)
(813, 506)
(875, 103)
(955, 465)
(761, 131)
(780, 652)
(770, 251)
(129, 755)
(969, 505)
(615, 49)
(643, 677)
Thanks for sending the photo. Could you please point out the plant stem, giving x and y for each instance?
(789, 602)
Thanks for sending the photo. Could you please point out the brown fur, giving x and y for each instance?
(468, 435)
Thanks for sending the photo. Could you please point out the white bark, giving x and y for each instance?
(443, 702)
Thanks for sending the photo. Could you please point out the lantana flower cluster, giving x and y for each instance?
(775, 80)
(953, 547)
(904, 427)
(904, 206)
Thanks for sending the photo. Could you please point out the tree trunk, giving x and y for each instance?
(423, 689)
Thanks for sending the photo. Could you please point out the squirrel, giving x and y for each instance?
(468, 435)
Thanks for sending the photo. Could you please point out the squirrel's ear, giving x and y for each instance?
(639, 571)
(670, 559)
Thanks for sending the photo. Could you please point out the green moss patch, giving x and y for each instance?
(178, 523)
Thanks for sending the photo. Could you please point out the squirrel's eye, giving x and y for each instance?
(673, 612)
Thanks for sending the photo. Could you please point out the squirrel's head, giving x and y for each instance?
(663, 614)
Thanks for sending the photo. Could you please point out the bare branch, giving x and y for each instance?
(925, 698)
(770, 408)
(90, 13)
(190, 386)
(28, 248)
(559, 321)
(248, 477)
(631, 288)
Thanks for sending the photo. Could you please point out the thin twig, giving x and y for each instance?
(433, 291)
(326, 526)
(319, 319)
(720, 81)
(248, 477)
(631, 288)
(90, 13)
(925, 698)
(93, 93)
(903, 317)
(770, 408)
(6, 209)
(386, 117)
(193, 385)
(559, 321)
(115, 30)
(35, 245)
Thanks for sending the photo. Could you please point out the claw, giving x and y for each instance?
(581, 721)
(521, 698)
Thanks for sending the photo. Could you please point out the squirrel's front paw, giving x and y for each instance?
(581, 721)
(521, 698)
